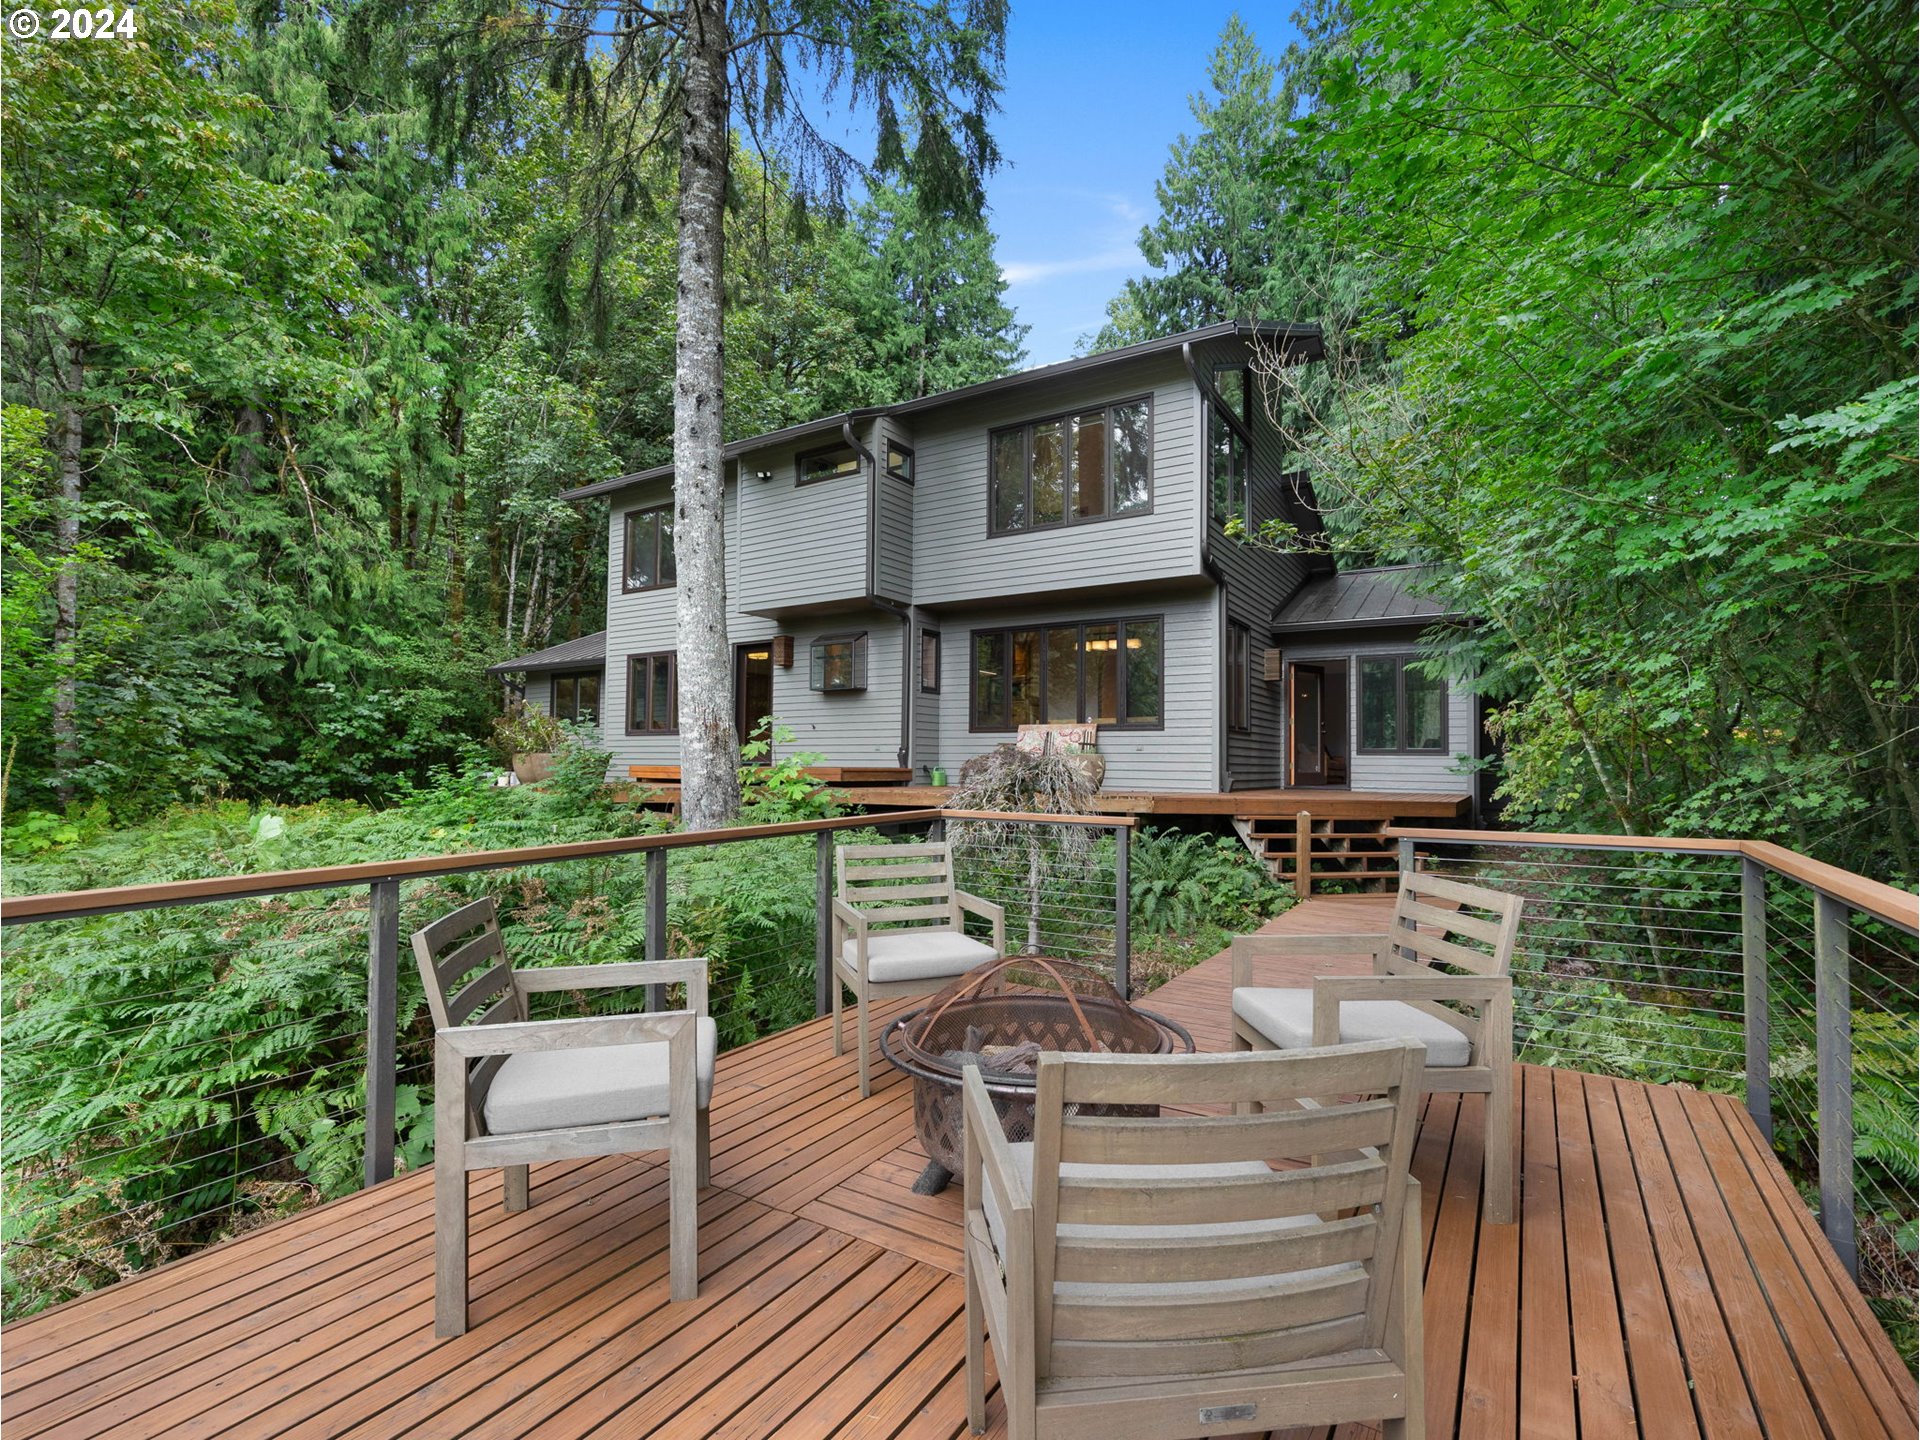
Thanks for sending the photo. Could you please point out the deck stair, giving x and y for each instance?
(1353, 852)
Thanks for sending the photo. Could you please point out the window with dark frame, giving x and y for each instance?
(929, 662)
(653, 694)
(1239, 678)
(649, 562)
(839, 662)
(1227, 459)
(831, 463)
(1402, 712)
(1101, 672)
(899, 461)
(576, 696)
(1096, 464)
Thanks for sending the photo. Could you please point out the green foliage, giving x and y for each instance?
(521, 730)
(775, 788)
(1188, 884)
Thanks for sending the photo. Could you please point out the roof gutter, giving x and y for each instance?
(906, 613)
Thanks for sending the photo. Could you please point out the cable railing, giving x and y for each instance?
(186, 1061)
(1735, 966)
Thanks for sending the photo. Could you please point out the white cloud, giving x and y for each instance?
(1028, 272)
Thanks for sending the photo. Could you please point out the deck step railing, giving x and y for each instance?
(184, 1060)
(1738, 966)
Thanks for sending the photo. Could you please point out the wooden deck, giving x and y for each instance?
(1324, 802)
(1664, 1281)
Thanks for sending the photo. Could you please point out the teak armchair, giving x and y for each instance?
(897, 929)
(1464, 1020)
(509, 1091)
(1157, 1277)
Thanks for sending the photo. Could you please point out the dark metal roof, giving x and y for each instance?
(585, 653)
(1358, 599)
(1307, 336)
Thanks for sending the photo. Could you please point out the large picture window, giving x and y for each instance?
(649, 547)
(653, 694)
(1401, 710)
(576, 696)
(1069, 469)
(1103, 672)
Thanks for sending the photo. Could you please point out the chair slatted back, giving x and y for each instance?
(1235, 1293)
(464, 969)
(1440, 923)
(899, 884)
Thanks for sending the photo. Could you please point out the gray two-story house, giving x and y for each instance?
(909, 585)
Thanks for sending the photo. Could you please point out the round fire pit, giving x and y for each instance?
(1000, 1017)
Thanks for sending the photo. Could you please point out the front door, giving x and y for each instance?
(752, 687)
(1306, 725)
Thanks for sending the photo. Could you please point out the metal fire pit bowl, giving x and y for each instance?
(1055, 1004)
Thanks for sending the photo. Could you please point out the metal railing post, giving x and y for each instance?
(1753, 982)
(1833, 1051)
(1303, 854)
(383, 1027)
(1406, 855)
(823, 922)
(656, 921)
(1122, 912)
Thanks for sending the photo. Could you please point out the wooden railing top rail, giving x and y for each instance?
(71, 904)
(1102, 822)
(1873, 897)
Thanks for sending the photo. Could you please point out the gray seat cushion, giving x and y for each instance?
(919, 954)
(1286, 1018)
(548, 1089)
(1023, 1163)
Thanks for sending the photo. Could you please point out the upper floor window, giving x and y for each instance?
(1227, 478)
(649, 546)
(576, 696)
(1401, 710)
(1072, 468)
(1104, 672)
(653, 694)
(899, 461)
(828, 464)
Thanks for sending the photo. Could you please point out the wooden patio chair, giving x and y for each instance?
(509, 1091)
(897, 929)
(1158, 1277)
(1465, 1019)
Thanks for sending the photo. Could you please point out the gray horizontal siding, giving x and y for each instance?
(956, 562)
(893, 534)
(798, 544)
(1430, 773)
(539, 694)
(1182, 756)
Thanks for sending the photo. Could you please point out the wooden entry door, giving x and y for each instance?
(752, 687)
(1306, 725)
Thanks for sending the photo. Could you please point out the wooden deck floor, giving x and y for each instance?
(1663, 1281)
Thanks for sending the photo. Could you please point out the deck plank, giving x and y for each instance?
(1664, 1280)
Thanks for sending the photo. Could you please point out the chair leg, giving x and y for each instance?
(683, 1211)
(976, 1351)
(1499, 1175)
(703, 1137)
(518, 1185)
(866, 1081)
(449, 1246)
(839, 1045)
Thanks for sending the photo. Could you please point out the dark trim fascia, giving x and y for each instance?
(1394, 622)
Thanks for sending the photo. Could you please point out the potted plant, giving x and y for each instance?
(528, 739)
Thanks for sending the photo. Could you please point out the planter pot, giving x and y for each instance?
(533, 767)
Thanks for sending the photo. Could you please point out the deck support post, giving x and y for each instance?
(1833, 1052)
(823, 923)
(383, 1027)
(1303, 854)
(1122, 912)
(656, 922)
(1753, 983)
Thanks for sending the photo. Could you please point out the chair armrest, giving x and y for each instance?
(987, 910)
(1329, 991)
(1248, 948)
(471, 1042)
(620, 975)
(855, 920)
(986, 1143)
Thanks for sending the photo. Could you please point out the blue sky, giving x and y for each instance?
(1094, 96)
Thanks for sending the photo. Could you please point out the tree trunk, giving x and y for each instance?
(68, 443)
(709, 748)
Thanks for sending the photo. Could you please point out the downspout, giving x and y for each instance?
(1210, 398)
(907, 613)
